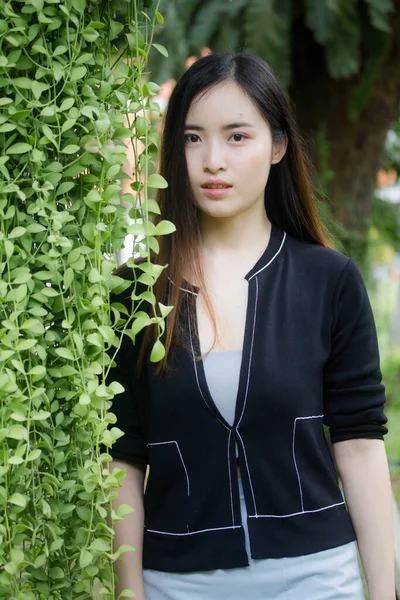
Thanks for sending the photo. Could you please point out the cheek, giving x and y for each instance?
(191, 165)
(257, 166)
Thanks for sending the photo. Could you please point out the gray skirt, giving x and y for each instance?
(328, 575)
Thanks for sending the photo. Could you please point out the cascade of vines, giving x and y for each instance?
(75, 92)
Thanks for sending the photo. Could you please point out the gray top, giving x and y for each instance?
(332, 572)
(222, 373)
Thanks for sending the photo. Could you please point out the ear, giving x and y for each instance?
(279, 151)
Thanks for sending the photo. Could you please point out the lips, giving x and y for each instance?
(216, 184)
(216, 187)
(216, 191)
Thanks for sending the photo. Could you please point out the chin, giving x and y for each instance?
(219, 209)
(219, 213)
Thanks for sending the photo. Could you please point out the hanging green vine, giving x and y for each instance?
(73, 88)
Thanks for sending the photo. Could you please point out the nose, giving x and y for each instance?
(214, 159)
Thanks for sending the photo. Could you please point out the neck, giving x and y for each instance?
(243, 232)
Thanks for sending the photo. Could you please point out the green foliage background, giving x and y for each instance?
(345, 29)
(355, 38)
(73, 88)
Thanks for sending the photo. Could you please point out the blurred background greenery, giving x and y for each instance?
(340, 63)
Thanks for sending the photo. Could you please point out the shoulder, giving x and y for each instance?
(317, 262)
(126, 285)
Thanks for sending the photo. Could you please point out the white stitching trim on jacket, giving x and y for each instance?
(245, 396)
(193, 532)
(294, 454)
(195, 364)
(272, 259)
(180, 454)
(303, 512)
(230, 477)
(222, 423)
(248, 472)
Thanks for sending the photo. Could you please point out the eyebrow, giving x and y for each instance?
(224, 127)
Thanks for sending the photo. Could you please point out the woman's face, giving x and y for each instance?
(229, 151)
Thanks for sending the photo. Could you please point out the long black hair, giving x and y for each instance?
(289, 199)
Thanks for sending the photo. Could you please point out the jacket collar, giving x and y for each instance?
(273, 249)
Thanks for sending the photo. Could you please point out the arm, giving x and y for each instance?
(363, 469)
(129, 452)
(128, 568)
(354, 401)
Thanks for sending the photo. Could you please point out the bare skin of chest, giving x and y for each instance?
(229, 300)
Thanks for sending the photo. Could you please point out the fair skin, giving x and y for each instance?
(364, 472)
(228, 140)
(129, 530)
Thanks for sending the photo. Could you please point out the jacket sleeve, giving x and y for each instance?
(353, 391)
(128, 405)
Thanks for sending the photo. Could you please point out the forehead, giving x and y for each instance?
(224, 103)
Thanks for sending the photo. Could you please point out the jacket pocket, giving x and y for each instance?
(316, 476)
(168, 489)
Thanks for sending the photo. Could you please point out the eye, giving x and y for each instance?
(238, 137)
(191, 138)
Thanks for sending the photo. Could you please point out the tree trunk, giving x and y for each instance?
(354, 147)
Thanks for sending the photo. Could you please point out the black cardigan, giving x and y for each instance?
(310, 357)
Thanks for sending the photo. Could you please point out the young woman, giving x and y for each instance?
(272, 337)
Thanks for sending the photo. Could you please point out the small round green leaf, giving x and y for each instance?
(56, 573)
(84, 399)
(6, 127)
(68, 277)
(38, 88)
(57, 544)
(70, 149)
(23, 82)
(100, 545)
(34, 455)
(126, 594)
(17, 432)
(42, 415)
(67, 104)
(85, 558)
(159, 17)
(11, 568)
(162, 49)
(9, 248)
(15, 460)
(37, 370)
(164, 228)
(18, 500)
(83, 58)
(158, 352)
(17, 556)
(78, 73)
(25, 344)
(113, 171)
(16, 232)
(124, 509)
(156, 181)
(65, 187)
(19, 148)
(60, 50)
(65, 353)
